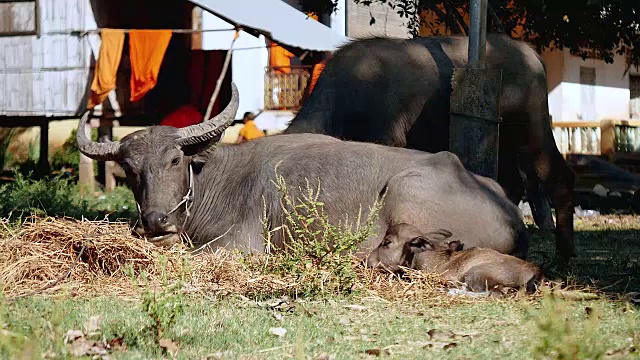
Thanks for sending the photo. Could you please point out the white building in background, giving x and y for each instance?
(591, 89)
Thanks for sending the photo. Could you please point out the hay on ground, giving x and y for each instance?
(94, 253)
(90, 258)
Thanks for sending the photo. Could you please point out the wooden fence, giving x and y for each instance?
(285, 91)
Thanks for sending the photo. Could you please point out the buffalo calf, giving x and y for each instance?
(480, 268)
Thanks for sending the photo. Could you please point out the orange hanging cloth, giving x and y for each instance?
(147, 48)
(105, 73)
(317, 70)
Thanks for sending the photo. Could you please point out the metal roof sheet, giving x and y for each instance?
(277, 20)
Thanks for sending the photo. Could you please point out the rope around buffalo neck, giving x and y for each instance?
(187, 200)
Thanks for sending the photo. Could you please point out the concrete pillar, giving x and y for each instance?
(86, 178)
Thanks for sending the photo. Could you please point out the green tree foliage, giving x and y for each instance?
(605, 28)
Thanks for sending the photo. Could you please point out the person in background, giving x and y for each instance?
(249, 131)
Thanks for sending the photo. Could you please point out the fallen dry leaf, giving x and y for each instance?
(440, 335)
(377, 351)
(626, 351)
(72, 335)
(81, 347)
(439, 344)
(325, 356)
(169, 346)
(466, 334)
(84, 347)
(448, 336)
(277, 331)
(278, 316)
(282, 303)
(92, 325)
(117, 344)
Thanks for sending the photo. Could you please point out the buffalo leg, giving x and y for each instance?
(563, 196)
(559, 179)
(538, 202)
(556, 177)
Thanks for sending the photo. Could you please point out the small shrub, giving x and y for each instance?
(59, 196)
(317, 252)
(562, 337)
(30, 165)
(6, 156)
(165, 307)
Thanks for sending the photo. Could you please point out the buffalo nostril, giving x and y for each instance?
(155, 221)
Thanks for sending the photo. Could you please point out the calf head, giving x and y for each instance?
(158, 164)
(402, 241)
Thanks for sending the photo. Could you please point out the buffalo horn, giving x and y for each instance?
(209, 129)
(107, 151)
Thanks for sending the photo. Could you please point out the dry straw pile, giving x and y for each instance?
(87, 258)
(45, 254)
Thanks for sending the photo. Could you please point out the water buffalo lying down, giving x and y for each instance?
(397, 92)
(480, 268)
(223, 187)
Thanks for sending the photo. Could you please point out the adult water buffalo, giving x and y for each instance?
(184, 183)
(397, 92)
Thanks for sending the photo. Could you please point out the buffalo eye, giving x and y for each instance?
(385, 243)
(175, 161)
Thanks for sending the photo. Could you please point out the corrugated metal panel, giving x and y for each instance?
(46, 75)
(387, 22)
(277, 20)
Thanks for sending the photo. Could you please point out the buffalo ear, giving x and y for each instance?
(456, 245)
(419, 244)
(439, 235)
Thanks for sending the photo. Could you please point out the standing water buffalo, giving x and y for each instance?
(183, 182)
(397, 92)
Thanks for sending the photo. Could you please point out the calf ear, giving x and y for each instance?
(439, 235)
(456, 245)
(419, 244)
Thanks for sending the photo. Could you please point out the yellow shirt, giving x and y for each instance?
(250, 131)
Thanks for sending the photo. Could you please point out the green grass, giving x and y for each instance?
(241, 328)
(59, 196)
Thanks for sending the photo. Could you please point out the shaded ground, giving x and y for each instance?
(607, 248)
